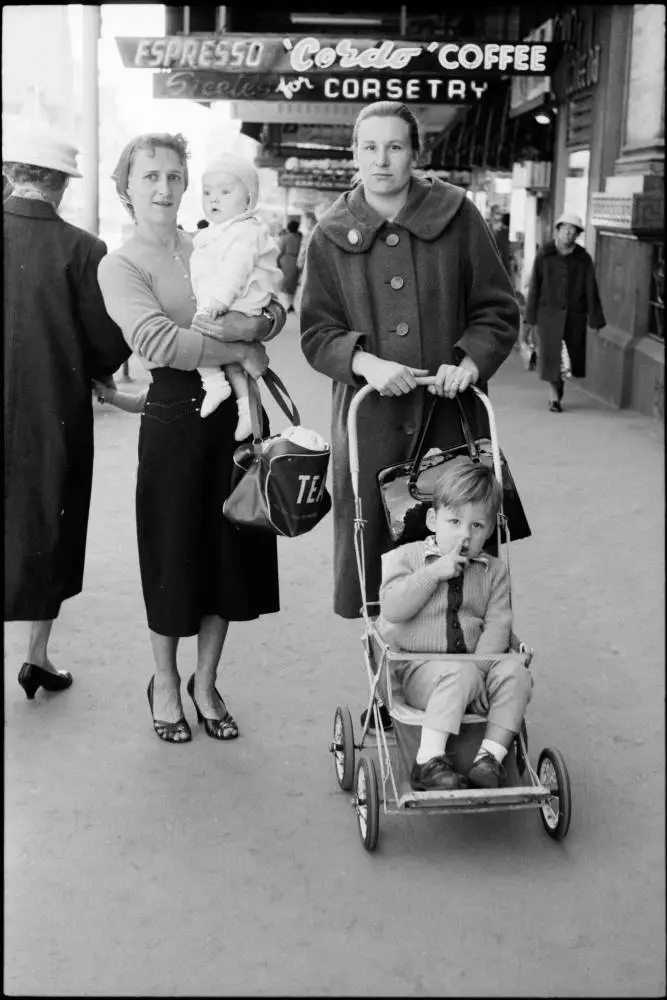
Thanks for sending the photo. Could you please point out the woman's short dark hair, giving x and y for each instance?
(49, 180)
(392, 109)
(149, 141)
(293, 226)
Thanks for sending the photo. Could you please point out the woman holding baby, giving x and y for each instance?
(198, 572)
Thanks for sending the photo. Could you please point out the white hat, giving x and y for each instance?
(570, 219)
(40, 146)
(239, 166)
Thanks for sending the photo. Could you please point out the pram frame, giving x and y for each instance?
(459, 800)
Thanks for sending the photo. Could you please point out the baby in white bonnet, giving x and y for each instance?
(233, 267)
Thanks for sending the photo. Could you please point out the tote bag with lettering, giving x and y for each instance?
(278, 485)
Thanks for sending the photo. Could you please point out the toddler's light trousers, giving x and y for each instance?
(443, 689)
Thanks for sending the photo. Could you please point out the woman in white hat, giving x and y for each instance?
(58, 337)
(562, 298)
(198, 573)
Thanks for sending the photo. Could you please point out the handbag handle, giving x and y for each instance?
(275, 386)
(419, 451)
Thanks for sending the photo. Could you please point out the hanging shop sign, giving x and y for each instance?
(433, 117)
(323, 181)
(243, 53)
(575, 30)
(208, 85)
(322, 175)
(528, 92)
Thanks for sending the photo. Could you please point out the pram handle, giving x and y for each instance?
(422, 380)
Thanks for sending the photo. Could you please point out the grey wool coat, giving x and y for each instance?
(563, 295)
(57, 336)
(423, 290)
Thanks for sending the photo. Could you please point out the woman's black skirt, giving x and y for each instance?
(193, 561)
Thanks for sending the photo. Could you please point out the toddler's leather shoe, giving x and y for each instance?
(436, 774)
(487, 772)
(385, 719)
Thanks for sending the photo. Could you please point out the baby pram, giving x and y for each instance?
(547, 787)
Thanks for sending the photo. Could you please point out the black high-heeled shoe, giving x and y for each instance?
(168, 731)
(219, 729)
(31, 677)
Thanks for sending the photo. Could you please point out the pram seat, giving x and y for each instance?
(408, 720)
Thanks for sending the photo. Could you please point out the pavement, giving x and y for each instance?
(136, 868)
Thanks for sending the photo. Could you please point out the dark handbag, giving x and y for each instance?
(277, 485)
(407, 488)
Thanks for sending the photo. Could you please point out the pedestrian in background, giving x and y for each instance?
(289, 243)
(58, 338)
(198, 572)
(402, 279)
(562, 297)
(500, 227)
(308, 223)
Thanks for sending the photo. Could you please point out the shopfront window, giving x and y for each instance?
(657, 298)
(576, 182)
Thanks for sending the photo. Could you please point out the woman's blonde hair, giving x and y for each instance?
(392, 109)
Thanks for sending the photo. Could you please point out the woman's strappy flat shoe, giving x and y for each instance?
(31, 677)
(219, 729)
(168, 732)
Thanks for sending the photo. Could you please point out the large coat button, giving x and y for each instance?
(397, 281)
(402, 329)
(392, 239)
(353, 236)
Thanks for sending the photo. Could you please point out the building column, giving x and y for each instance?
(626, 363)
(643, 147)
(91, 145)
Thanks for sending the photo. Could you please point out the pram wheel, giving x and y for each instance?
(557, 812)
(367, 803)
(342, 747)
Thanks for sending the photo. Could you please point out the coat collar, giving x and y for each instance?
(352, 224)
(30, 207)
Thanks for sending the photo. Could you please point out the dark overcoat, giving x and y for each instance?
(288, 247)
(423, 290)
(563, 295)
(58, 336)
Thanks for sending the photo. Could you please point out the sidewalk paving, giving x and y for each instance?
(136, 868)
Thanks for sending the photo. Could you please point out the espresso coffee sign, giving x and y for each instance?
(244, 53)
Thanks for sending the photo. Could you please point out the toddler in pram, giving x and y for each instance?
(445, 595)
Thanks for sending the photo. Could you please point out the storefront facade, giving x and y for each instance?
(609, 168)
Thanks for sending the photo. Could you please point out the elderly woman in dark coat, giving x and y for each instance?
(402, 278)
(58, 337)
(289, 244)
(562, 296)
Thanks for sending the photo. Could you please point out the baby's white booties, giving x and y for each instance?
(244, 426)
(217, 389)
